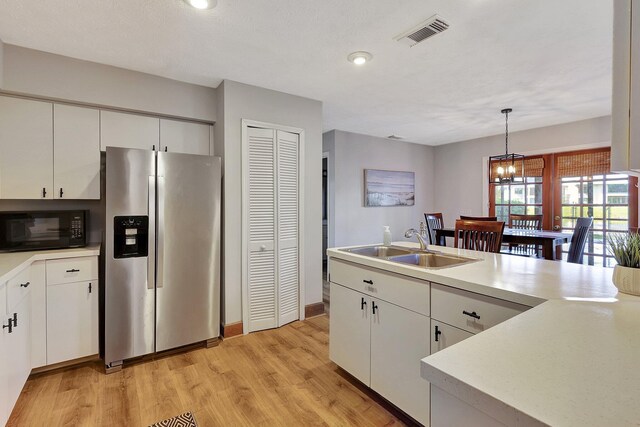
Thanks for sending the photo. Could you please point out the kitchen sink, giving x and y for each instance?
(430, 260)
(378, 251)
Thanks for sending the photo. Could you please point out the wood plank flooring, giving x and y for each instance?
(280, 377)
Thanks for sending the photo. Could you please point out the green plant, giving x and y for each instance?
(625, 248)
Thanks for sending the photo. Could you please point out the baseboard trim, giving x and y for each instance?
(231, 330)
(66, 364)
(313, 310)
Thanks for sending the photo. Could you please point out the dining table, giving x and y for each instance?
(550, 241)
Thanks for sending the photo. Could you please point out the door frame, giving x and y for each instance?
(246, 123)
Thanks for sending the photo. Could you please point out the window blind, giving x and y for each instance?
(583, 164)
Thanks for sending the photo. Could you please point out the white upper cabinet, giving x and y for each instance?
(26, 147)
(128, 131)
(76, 153)
(185, 137)
(625, 141)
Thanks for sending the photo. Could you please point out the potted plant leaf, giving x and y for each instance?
(625, 248)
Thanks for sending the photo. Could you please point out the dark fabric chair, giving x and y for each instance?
(479, 218)
(484, 236)
(525, 222)
(435, 222)
(579, 240)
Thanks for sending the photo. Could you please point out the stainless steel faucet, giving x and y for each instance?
(413, 232)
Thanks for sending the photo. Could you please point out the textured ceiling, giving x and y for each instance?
(549, 60)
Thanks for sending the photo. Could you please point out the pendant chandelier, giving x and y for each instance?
(506, 168)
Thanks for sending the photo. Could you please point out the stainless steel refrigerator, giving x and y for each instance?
(162, 252)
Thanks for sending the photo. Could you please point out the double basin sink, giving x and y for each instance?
(416, 257)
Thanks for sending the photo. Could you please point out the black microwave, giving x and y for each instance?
(36, 230)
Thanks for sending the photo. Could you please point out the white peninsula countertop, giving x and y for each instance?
(572, 360)
(13, 262)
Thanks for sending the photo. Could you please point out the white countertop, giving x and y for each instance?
(572, 360)
(11, 263)
(564, 363)
(514, 278)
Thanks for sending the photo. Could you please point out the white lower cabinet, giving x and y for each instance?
(4, 354)
(72, 321)
(349, 324)
(378, 342)
(443, 335)
(38, 314)
(18, 349)
(399, 340)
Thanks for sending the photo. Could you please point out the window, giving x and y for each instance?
(518, 198)
(604, 198)
(572, 185)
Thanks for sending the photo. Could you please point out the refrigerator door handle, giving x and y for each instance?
(151, 258)
(160, 237)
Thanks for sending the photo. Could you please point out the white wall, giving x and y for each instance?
(353, 223)
(48, 75)
(253, 103)
(459, 175)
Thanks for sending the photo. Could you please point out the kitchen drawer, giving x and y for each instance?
(69, 270)
(17, 288)
(412, 294)
(470, 311)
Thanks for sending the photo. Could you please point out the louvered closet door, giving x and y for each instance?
(262, 296)
(287, 245)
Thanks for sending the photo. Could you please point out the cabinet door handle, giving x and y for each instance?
(10, 326)
(437, 333)
(89, 287)
(374, 306)
(363, 304)
(165, 149)
(15, 320)
(472, 314)
(61, 192)
(73, 270)
(368, 281)
(153, 148)
(25, 285)
(44, 192)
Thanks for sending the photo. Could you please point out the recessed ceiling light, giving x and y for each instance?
(360, 58)
(202, 4)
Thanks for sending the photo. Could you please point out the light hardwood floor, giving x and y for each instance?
(280, 377)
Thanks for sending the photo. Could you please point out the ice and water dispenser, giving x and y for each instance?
(131, 236)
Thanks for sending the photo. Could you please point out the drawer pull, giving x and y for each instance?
(370, 282)
(25, 285)
(374, 306)
(363, 304)
(437, 334)
(472, 314)
(73, 270)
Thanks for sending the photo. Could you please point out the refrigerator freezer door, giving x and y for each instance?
(129, 284)
(188, 269)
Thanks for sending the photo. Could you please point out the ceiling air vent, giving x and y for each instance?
(423, 31)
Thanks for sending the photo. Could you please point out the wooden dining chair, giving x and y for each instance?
(485, 236)
(525, 222)
(479, 218)
(579, 240)
(435, 222)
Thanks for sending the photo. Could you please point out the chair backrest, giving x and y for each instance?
(434, 222)
(479, 218)
(485, 236)
(579, 240)
(525, 222)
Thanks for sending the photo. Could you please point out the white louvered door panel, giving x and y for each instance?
(287, 191)
(262, 297)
